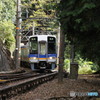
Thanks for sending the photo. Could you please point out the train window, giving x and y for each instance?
(42, 48)
(51, 45)
(33, 45)
(51, 39)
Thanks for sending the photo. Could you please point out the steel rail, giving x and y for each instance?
(10, 76)
(13, 79)
(20, 87)
(16, 77)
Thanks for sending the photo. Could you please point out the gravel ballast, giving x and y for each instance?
(52, 89)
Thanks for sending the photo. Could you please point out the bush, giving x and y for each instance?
(85, 66)
(85, 70)
(67, 65)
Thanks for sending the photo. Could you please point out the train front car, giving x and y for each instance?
(42, 52)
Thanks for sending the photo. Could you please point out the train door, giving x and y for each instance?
(42, 54)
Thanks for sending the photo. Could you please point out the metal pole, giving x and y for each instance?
(18, 34)
(33, 33)
(27, 13)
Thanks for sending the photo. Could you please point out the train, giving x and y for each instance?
(40, 52)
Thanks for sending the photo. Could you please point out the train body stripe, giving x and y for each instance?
(33, 55)
(42, 56)
(52, 55)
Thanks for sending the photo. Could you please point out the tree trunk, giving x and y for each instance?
(61, 57)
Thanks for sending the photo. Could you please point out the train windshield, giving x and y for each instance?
(42, 48)
(33, 45)
(51, 45)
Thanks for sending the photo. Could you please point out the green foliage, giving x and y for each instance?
(7, 9)
(85, 66)
(6, 33)
(67, 50)
(85, 70)
(7, 15)
(67, 65)
(41, 9)
(80, 20)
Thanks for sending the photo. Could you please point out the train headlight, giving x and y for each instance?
(51, 57)
(34, 58)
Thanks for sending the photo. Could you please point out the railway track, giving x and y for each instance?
(22, 86)
(6, 78)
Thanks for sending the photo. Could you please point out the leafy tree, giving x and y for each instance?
(7, 18)
(80, 20)
(7, 10)
(40, 9)
(6, 33)
(7, 15)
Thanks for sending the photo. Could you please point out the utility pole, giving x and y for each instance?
(61, 55)
(27, 13)
(18, 34)
(58, 42)
(33, 28)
